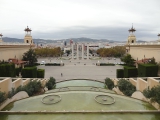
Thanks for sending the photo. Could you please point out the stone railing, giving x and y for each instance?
(13, 43)
(150, 43)
(81, 111)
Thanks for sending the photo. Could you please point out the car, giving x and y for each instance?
(42, 63)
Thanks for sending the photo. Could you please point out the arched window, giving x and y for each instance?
(132, 41)
(27, 41)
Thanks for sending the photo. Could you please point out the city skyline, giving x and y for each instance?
(99, 19)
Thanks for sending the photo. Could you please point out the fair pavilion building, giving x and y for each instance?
(15, 50)
(141, 51)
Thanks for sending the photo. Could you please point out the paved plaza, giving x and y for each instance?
(80, 69)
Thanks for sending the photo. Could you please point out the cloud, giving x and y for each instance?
(80, 18)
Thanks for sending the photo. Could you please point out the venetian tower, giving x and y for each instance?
(28, 37)
(158, 37)
(131, 37)
(1, 38)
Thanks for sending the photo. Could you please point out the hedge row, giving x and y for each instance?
(130, 72)
(32, 72)
(107, 64)
(144, 70)
(52, 64)
(7, 70)
(40, 73)
(29, 72)
(147, 70)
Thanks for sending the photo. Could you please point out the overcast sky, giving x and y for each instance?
(101, 19)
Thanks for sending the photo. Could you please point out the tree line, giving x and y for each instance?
(48, 52)
(117, 51)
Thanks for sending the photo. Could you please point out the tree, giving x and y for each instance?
(116, 51)
(30, 56)
(128, 60)
(68, 52)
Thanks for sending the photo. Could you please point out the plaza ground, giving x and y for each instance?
(80, 69)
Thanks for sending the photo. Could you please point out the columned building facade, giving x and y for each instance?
(79, 51)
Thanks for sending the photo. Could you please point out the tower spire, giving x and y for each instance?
(1, 37)
(131, 37)
(158, 37)
(28, 37)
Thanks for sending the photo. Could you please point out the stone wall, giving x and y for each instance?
(13, 51)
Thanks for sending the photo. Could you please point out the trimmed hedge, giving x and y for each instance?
(120, 73)
(17, 71)
(40, 73)
(130, 72)
(109, 83)
(147, 70)
(107, 64)
(126, 87)
(7, 70)
(29, 72)
(52, 64)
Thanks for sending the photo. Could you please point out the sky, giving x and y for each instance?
(63, 19)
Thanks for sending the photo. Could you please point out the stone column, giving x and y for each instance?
(72, 51)
(82, 51)
(77, 52)
(87, 51)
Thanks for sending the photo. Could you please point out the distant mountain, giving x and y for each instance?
(82, 39)
(140, 41)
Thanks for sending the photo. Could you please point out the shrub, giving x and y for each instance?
(33, 87)
(40, 73)
(130, 72)
(153, 94)
(2, 97)
(120, 73)
(29, 72)
(126, 87)
(147, 70)
(50, 84)
(20, 88)
(109, 83)
(147, 93)
(11, 93)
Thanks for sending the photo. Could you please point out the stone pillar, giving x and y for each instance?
(72, 51)
(82, 51)
(87, 51)
(77, 52)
